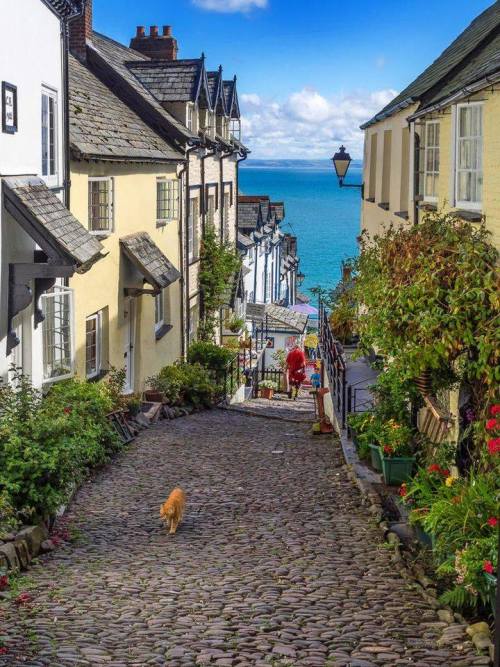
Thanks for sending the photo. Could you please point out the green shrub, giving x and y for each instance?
(209, 355)
(185, 383)
(48, 445)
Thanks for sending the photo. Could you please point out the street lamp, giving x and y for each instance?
(300, 278)
(341, 161)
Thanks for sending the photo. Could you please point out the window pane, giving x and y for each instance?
(91, 346)
(45, 135)
(52, 137)
(56, 333)
(99, 205)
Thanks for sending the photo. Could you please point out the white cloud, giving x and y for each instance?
(308, 125)
(227, 6)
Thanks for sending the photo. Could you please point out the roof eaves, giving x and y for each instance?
(389, 112)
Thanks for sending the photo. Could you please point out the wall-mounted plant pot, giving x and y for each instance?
(376, 457)
(397, 469)
(266, 392)
(154, 396)
(491, 582)
(426, 539)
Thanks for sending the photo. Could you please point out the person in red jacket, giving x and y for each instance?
(296, 366)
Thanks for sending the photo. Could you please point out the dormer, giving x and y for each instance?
(233, 109)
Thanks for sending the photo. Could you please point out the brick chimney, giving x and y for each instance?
(80, 30)
(155, 46)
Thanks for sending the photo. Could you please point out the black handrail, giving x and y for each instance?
(333, 363)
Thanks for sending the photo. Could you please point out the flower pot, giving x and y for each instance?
(426, 539)
(397, 469)
(153, 396)
(491, 584)
(266, 392)
(376, 457)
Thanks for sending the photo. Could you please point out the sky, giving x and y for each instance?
(309, 71)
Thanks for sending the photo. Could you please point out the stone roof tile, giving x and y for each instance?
(143, 252)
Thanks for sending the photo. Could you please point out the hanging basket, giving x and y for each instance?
(423, 383)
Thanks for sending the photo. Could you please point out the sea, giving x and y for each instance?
(324, 217)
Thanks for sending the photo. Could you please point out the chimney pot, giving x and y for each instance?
(153, 32)
(167, 31)
(153, 46)
(141, 31)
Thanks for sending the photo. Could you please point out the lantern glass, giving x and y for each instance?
(341, 161)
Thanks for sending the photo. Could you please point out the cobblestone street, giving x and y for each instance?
(277, 563)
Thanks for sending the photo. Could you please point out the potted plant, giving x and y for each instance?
(396, 451)
(133, 406)
(235, 324)
(267, 388)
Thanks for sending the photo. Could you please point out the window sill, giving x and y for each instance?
(96, 378)
(193, 260)
(370, 199)
(402, 214)
(163, 223)
(427, 206)
(384, 205)
(162, 331)
(100, 235)
(468, 215)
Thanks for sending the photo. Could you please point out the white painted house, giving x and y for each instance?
(41, 243)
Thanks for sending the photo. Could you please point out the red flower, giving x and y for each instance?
(23, 598)
(494, 446)
(403, 490)
(495, 410)
(3, 650)
(488, 567)
(492, 521)
(67, 410)
(387, 449)
(4, 582)
(445, 473)
(434, 468)
(491, 424)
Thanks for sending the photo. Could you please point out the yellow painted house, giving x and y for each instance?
(125, 190)
(436, 146)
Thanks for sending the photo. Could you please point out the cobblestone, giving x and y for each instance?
(277, 563)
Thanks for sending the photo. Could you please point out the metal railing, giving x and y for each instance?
(334, 364)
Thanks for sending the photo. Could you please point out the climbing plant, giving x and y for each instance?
(428, 298)
(218, 265)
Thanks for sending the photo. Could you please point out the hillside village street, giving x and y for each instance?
(276, 563)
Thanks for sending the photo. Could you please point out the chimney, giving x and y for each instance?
(154, 45)
(80, 30)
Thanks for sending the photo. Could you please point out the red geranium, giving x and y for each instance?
(494, 446)
(67, 410)
(3, 650)
(495, 410)
(491, 424)
(4, 582)
(402, 490)
(445, 473)
(23, 598)
(434, 468)
(488, 566)
(492, 521)
(388, 449)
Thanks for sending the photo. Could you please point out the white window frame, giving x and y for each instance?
(235, 128)
(159, 311)
(111, 205)
(431, 198)
(190, 117)
(51, 179)
(172, 200)
(468, 205)
(97, 318)
(58, 290)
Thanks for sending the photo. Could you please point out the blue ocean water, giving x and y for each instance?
(324, 217)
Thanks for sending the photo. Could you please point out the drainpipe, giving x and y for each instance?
(257, 249)
(185, 255)
(265, 275)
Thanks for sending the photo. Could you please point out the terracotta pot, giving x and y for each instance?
(266, 392)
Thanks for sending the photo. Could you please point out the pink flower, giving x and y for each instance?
(492, 521)
(488, 567)
(494, 446)
(495, 410)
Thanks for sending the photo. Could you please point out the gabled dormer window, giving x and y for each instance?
(192, 117)
(235, 128)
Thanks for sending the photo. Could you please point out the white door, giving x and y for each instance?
(128, 354)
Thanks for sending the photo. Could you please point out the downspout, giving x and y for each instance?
(203, 193)
(257, 247)
(265, 275)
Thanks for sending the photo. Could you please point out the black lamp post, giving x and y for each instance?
(300, 278)
(341, 161)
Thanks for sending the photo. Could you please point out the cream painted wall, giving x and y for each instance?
(102, 287)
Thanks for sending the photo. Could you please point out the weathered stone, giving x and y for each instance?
(8, 551)
(481, 640)
(23, 553)
(445, 615)
(34, 536)
(480, 627)
(47, 546)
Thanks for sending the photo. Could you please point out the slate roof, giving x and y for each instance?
(102, 126)
(215, 87)
(231, 97)
(110, 54)
(33, 204)
(485, 63)
(249, 214)
(170, 80)
(244, 242)
(461, 49)
(284, 318)
(149, 260)
(278, 210)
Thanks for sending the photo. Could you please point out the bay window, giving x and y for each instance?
(469, 155)
(57, 333)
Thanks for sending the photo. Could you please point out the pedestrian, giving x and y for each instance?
(316, 378)
(296, 366)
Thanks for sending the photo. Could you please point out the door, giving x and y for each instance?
(128, 354)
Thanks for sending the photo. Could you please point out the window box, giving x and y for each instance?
(397, 469)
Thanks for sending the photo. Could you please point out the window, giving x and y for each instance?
(268, 287)
(211, 210)
(235, 128)
(190, 118)
(57, 333)
(386, 168)
(167, 199)
(49, 135)
(431, 167)
(469, 155)
(193, 323)
(372, 179)
(93, 344)
(227, 206)
(250, 255)
(251, 298)
(193, 228)
(220, 126)
(159, 311)
(100, 205)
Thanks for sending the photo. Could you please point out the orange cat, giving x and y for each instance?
(172, 510)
